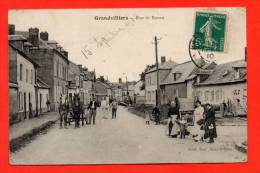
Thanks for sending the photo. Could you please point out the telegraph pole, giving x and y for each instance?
(158, 100)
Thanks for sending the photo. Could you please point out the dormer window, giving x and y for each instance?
(176, 76)
(237, 74)
(198, 79)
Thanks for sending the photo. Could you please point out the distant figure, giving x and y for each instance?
(147, 117)
(174, 116)
(156, 113)
(48, 105)
(197, 131)
(92, 107)
(104, 107)
(30, 110)
(114, 109)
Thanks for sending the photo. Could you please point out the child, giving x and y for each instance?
(147, 117)
(183, 127)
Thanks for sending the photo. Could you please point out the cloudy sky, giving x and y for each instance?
(119, 48)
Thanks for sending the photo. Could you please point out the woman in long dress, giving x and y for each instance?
(173, 115)
(197, 131)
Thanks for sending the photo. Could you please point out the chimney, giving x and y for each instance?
(44, 36)
(163, 59)
(59, 48)
(120, 80)
(65, 53)
(11, 29)
(34, 36)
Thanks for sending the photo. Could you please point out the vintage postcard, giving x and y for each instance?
(127, 86)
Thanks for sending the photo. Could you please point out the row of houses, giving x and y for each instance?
(214, 84)
(41, 75)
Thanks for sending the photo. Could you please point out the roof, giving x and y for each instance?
(184, 70)
(225, 73)
(24, 55)
(42, 44)
(16, 38)
(163, 66)
(41, 84)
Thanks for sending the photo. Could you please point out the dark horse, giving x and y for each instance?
(77, 109)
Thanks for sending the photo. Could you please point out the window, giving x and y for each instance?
(206, 95)
(27, 75)
(237, 74)
(21, 72)
(31, 76)
(20, 101)
(212, 95)
(174, 76)
(57, 69)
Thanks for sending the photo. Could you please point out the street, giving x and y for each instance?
(126, 139)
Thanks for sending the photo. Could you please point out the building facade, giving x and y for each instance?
(22, 80)
(151, 80)
(54, 64)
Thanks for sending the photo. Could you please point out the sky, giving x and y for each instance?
(120, 48)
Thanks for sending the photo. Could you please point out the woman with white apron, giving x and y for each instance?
(174, 115)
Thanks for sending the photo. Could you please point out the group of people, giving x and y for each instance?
(76, 111)
(204, 128)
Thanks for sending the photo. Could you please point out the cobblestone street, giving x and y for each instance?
(127, 140)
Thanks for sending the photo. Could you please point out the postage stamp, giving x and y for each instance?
(209, 32)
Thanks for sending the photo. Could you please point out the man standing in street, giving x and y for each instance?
(92, 110)
(114, 109)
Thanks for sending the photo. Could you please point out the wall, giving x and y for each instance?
(26, 87)
(13, 104)
(151, 85)
(232, 91)
(12, 62)
(43, 95)
(169, 92)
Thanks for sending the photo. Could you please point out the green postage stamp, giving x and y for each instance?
(209, 32)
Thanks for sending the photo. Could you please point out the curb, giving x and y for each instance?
(242, 147)
(19, 142)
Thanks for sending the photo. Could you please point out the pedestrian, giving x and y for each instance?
(114, 108)
(209, 125)
(197, 130)
(156, 113)
(92, 107)
(147, 117)
(48, 105)
(104, 107)
(174, 116)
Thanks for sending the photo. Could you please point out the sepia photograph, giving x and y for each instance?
(127, 86)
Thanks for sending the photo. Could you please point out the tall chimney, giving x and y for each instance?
(163, 59)
(44, 36)
(11, 29)
(34, 36)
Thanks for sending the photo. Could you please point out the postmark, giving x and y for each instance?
(209, 31)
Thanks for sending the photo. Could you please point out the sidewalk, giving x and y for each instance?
(27, 126)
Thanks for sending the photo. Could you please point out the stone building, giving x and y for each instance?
(22, 79)
(165, 68)
(227, 82)
(53, 61)
(180, 81)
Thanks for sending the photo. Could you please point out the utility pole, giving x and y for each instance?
(158, 101)
(127, 93)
